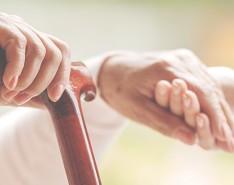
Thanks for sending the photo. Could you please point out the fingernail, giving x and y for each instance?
(10, 95)
(57, 92)
(186, 101)
(163, 89)
(13, 82)
(185, 137)
(22, 99)
(200, 122)
(176, 89)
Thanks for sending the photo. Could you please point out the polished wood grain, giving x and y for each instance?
(71, 132)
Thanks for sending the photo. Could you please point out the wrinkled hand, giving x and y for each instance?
(35, 61)
(225, 77)
(128, 83)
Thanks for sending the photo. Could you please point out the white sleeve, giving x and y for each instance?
(29, 153)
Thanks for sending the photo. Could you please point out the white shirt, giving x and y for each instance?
(29, 154)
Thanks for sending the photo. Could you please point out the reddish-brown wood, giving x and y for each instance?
(71, 132)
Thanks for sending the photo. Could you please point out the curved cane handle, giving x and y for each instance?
(71, 132)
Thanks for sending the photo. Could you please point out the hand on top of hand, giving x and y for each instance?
(35, 62)
(179, 100)
(128, 82)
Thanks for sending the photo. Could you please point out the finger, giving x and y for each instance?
(226, 146)
(46, 73)
(60, 81)
(220, 127)
(191, 107)
(7, 94)
(13, 42)
(210, 103)
(178, 88)
(205, 137)
(227, 134)
(35, 54)
(2, 100)
(162, 93)
(164, 122)
(219, 123)
(228, 112)
(212, 106)
(208, 94)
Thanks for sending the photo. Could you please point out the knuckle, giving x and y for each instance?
(58, 57)
(15, 17)
(186, 55)
(204, 92)
(55, 56)
(20, 41)
(39, 51)
(65, 79)
(65, 49)
(201, 88)
(17, 40)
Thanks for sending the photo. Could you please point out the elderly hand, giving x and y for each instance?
(35, 62)
(127, 83)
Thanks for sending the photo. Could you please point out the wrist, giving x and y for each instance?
(112, 72)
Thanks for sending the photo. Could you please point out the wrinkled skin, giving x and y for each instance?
(127, 83)
(35, 61)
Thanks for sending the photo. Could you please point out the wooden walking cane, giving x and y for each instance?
(71, 132)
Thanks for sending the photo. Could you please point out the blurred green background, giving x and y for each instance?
(140, 156)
